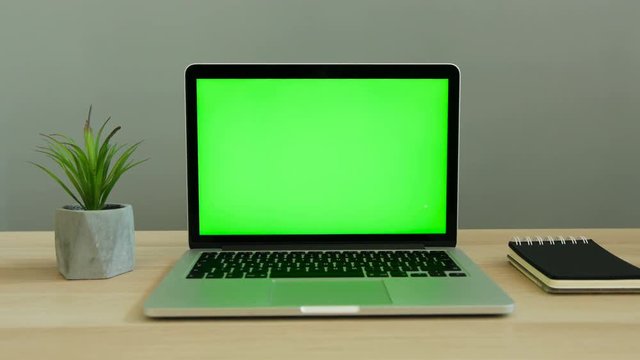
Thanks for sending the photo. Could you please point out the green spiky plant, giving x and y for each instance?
(92, 171)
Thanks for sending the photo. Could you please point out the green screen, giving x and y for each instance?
(322, 156)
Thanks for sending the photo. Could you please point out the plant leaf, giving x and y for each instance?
(62, 155)
(119, 168)
(92, 170)
(66, 166)
(102, 129)
(57, 179)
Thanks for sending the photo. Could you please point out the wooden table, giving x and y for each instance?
(43, 316)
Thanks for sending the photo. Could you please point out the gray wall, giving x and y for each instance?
(550, 93)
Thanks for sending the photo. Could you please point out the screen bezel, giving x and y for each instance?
(321, 71)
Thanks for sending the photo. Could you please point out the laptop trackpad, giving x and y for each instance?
(329, 292)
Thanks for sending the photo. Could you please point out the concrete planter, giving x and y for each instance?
(94, 244)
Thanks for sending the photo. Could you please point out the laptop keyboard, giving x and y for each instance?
(324, 264)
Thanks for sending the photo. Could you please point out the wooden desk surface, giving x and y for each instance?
(44, 316)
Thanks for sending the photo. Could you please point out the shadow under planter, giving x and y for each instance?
(95, 244)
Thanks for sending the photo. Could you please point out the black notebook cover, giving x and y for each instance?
(574, 260)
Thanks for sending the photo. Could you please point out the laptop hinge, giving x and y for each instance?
(368, 246)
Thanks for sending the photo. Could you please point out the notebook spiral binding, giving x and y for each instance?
(531, 240)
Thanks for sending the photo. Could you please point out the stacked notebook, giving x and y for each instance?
(572, 264)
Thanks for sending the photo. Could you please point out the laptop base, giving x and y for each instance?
(475, 294)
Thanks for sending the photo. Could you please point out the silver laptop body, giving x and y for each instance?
(323, 190)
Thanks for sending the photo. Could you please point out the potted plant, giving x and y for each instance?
(94, 239)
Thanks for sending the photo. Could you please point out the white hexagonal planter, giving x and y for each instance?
(95, 244)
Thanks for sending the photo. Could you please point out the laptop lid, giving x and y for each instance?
(322, 155)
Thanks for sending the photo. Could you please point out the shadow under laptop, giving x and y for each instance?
(324, 318)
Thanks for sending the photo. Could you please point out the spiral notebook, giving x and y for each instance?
(572, 265)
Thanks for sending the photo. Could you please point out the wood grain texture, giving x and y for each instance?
(44, 316)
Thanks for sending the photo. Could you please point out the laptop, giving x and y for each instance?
(323, 190)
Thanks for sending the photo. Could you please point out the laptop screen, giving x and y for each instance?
(318, 156)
